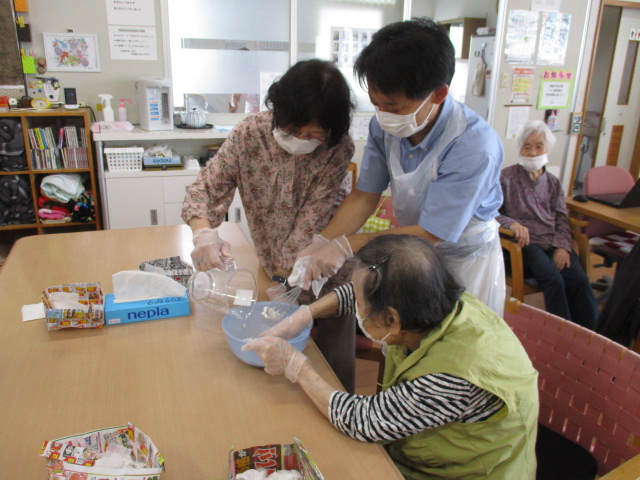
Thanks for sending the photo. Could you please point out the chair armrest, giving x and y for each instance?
(582, 241)
(508, 243)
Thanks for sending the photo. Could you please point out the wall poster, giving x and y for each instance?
(556, 89)
(71, 52)
(520, 40)
(554, 37)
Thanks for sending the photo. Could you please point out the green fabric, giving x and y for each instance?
(475, 344)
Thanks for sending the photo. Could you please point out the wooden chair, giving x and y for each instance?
(515, 278)
(367, 350)
(589, 386)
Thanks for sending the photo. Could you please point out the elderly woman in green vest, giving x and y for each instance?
(460, 397)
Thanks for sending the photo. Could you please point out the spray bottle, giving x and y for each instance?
(122, 109)
(107, 111)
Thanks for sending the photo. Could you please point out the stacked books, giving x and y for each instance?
(54, 148)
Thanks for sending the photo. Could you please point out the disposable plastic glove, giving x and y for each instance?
(296, 279)
(317, 242)
(327, 260)
(210, 250)
(291, 326)
(278, 355)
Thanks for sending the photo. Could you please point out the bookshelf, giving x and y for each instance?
(55, 141)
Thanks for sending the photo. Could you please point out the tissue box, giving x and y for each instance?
(286, 456)
(74, 457)
(89, 294)
(142, 310)
(172, 267)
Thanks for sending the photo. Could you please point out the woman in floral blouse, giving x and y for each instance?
(289, 164)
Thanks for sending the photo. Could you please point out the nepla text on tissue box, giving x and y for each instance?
(141, 310)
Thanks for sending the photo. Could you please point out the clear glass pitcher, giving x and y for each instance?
(233, 290)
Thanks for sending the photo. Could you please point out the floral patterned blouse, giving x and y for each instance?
(287, 198)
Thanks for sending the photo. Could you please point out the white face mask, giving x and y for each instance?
(533, 164)
(294, 145)
(368, 335)
(402, 125)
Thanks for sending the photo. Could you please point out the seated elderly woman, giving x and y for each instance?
(460, 397)
(534, 208)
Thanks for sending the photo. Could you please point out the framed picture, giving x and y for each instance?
(71, 52)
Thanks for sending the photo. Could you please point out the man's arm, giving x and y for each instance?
(352, 214)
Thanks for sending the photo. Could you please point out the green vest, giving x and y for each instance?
(475, 344)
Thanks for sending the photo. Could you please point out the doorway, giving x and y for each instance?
(609, 134)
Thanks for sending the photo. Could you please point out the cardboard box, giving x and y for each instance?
(172, 267)
(89, 294)
(142, 310)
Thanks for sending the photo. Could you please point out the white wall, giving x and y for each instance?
(90, 17)
(562, 154)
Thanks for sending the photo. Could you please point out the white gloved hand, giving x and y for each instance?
(278, 355)
(327, 260)
(291, 326)
(296, 279)
(317, 242)
(210, 250)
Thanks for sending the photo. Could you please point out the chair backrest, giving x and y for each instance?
(605, 179)
(589, 385)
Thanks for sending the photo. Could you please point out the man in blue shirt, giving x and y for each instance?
(441, 159)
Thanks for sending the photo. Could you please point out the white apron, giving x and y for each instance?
(476, 258)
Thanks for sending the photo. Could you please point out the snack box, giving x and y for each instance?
(172, 267)
(74, 457)
(142, 310)
(286, 456)
(89, 294)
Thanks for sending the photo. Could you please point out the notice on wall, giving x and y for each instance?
(546, 5)
(131, 12)
(132, 43)
(522, 86)
(518, 116)
(554, 37)
(520, 40)
(556, 89)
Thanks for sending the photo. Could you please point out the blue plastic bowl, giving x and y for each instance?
(238, 330)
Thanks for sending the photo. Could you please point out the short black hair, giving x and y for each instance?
(412, 58)
(407, 273)
(312, 91)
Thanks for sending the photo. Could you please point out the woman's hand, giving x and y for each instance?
(291, 326)
(279, 356)
(561, 258)
(522, 234)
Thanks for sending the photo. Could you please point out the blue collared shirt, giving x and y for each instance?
(468, 180)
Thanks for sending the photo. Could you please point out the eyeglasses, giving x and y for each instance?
(311, 135)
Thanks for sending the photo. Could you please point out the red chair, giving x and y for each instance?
(589, 386)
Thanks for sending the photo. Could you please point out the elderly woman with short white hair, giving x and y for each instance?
(534, 208)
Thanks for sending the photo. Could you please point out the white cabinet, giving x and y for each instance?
(153, 197)
(142, 199)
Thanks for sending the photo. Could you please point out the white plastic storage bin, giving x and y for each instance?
(121, 159)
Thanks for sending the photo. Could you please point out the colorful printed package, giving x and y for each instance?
(286, 456)
(78, 456)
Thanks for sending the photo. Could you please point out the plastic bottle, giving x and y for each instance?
(107, 111)
(122, 109)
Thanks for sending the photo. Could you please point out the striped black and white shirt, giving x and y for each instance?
(409, 407)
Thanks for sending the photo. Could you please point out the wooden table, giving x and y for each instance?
(176, 379)
(628, 218)
(629, 470)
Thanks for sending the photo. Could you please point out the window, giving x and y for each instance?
(230, 52)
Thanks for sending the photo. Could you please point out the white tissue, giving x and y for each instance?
(252, 475)
(131, 285)
(62, 300)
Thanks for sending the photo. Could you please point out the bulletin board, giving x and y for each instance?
(11, 66)
(526, 54)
